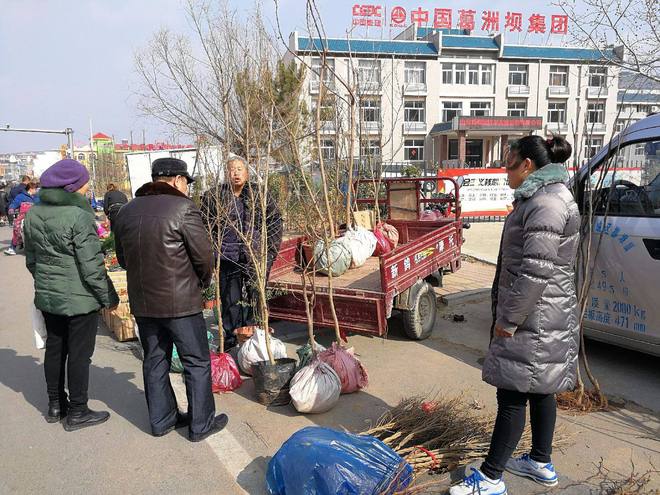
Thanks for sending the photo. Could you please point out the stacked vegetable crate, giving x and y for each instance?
(120, 320)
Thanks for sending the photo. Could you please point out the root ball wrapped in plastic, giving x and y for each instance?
(225, 376)
(362, 243)
(254, 350)
(315, 388)
(352, 374)
(336, 259)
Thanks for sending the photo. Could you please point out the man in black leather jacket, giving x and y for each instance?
(162, 242)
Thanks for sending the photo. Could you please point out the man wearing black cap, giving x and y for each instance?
(162, 243)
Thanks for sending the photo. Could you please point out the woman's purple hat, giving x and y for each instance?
(67, 174)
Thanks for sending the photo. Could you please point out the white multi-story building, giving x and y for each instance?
(447, 98)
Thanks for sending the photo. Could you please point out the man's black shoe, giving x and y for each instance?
(182, 419)
(77, 420)
(218, 425)
(56, 410)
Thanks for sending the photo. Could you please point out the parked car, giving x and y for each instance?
(623, 304)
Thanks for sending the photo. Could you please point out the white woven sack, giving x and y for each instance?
(315, 388)
(362, 243)
(254, 350)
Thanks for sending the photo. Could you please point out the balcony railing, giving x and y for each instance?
(596, 128)
(557, 91)
(328, 127)
(555, 128)
(517, 90)
(597, 92)
(414, 127)
(315, 86)
(370, 126)
(369, 87)
(414, 89)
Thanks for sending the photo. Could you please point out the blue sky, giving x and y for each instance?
(63, 62)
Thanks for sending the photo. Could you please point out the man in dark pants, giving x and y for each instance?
(162, 242)
(236, 219)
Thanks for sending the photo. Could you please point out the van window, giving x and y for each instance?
(629, 183)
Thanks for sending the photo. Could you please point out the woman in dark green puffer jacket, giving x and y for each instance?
(63, 253)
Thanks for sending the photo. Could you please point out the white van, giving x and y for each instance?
(624, 296)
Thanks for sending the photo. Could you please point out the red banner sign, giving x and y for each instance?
(490, 21)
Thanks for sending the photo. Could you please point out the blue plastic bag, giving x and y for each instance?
(322, 461)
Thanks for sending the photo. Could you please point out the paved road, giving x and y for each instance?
(120, 457)
(116, 457)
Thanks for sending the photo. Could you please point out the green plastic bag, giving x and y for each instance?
(176, 366)
(305, 354)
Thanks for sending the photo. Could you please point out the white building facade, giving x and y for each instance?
(434, 98)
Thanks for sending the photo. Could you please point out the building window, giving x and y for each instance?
(479, 108)
(473, 74)
(459, 73)
(559, 75)
(451, 109)
(517, 108)
(328, 73)
(327, 111)
(486, 74)
(640, 149)
(447, 73)
(596, 113)
(369, 71)
(81, 157)
(517, 75)
(620, 125)
(597, 77)
(413, 149)
(591, 146)
(370, 110)
(414, 111)
(415, 73)
(370, 147)
(557, 112)
(328, 149)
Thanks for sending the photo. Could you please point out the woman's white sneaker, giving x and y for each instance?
(477, 483)
(543, 473)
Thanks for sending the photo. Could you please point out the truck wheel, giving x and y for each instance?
(418, 321)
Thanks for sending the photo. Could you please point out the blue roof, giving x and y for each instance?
(428, 49)
(554, 52)
(636, 97)
(423, 32)
(369, 46)
(478, 42)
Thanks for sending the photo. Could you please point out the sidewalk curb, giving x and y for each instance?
(479, 258)
(462, 296)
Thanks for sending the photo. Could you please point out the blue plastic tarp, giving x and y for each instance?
(322, 461)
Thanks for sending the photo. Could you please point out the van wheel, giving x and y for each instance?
(418, 321)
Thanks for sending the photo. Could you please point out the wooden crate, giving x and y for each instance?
(120, 323)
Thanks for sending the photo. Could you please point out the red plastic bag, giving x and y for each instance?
(225, 376)
(383, 246)
(351, 373)
(389, 232)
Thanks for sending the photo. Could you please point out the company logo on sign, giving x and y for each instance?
(490, 21)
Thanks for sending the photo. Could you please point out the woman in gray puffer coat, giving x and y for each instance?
(534, 347)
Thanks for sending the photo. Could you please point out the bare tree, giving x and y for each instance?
(632, 25)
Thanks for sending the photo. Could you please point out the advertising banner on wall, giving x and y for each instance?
(483, 191)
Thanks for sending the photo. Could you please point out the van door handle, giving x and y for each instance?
(653, 247)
